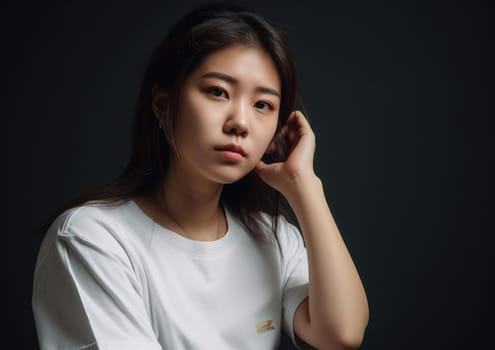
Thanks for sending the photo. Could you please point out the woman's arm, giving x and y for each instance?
(336, 311)
(335, 314)
(86, 292)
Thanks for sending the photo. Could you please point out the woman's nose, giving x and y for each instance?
(237, 121)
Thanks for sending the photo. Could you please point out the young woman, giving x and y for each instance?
(190, 247)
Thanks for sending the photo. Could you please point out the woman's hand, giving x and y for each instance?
(284, 176)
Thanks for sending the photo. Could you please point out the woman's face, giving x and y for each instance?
(228, 115)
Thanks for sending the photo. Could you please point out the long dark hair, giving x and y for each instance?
(196, 35)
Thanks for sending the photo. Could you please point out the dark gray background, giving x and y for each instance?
(398, 95)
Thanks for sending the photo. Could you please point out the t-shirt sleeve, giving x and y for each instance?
(86, 292)
(295, 273)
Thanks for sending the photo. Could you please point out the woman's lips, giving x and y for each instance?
(232, 152)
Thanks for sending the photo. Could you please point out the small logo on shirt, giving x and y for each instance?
(265, 326)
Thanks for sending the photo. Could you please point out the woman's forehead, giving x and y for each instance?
(244, 64)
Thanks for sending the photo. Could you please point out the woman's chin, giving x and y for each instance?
(230, 177)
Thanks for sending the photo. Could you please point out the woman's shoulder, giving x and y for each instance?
(89, 239)
(288, 234)
(281, 222)
(88, 225)
(86, 220)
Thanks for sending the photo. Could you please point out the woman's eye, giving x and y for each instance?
(217, 92)
(263, 105)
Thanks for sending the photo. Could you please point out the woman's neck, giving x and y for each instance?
(189, 208)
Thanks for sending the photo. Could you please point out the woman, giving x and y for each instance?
(188, 248)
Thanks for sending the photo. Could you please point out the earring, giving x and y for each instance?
(160, 124)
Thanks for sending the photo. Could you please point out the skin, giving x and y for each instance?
(217, 111)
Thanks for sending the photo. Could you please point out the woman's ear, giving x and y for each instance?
(159, 101)
(276, 141)
(271, 147)
(270, 153)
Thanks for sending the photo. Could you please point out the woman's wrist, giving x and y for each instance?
(303, 188)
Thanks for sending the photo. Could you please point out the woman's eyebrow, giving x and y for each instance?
(231, 80)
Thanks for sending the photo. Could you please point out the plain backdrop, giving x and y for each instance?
(399, 95)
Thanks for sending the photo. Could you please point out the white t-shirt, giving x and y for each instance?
(111, 278)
